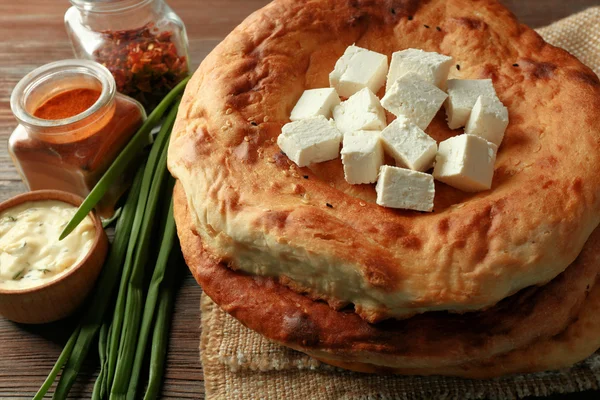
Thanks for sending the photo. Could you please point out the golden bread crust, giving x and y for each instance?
(577, 342)
(432, 341)
(259, 213)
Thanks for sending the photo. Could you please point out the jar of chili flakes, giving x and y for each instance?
(72, 125)
(143, 43)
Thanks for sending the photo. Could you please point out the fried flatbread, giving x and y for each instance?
(257, 212)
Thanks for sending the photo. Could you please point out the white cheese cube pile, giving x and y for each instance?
(357, 69)
(311, 140)
(462, 96)
(415, 91)
(430, 67)
(415, 99)
(315, 102)
(403, 188)
(409, 145)
(362, 156)
(362, 111)
(488, 119)
(466, 162)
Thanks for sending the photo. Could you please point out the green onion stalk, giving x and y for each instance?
(134, 249)
(135, 291)
(156, 285)
(160, 332)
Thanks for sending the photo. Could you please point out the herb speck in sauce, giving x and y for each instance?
(18, 275)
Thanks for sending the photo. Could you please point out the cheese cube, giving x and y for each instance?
(403, 188)
(466, 162)
(488, 119)
(409, 145)
(310, 140)
(315, 102)
(462, 95)
(362, 156)
(362, 111)
(417, 100)
(429, 66)
(357, 69)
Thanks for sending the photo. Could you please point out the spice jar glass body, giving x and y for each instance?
(72, 125)
(142, 42)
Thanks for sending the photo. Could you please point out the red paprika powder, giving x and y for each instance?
(67, 104)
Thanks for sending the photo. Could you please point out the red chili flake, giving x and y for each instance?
(144, 62)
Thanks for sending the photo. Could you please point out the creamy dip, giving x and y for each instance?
(30, 252)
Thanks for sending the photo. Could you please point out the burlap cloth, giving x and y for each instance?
(240, 364)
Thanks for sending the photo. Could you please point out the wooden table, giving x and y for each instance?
(33, 34)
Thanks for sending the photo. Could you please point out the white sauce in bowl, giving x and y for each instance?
(30, 252)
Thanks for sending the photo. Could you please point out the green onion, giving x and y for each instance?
(160, 335)
(62, 359)
(102, 345)
(135, 290)
(102, 296)
(109, 221)
(140, 140)
(105, 387)
(168, 238)
(149, 174)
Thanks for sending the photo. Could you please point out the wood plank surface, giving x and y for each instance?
(33, 34)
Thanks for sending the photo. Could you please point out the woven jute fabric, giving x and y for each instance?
(241, 364)
(579, 34)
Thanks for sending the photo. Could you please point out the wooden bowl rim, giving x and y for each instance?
(65, 197)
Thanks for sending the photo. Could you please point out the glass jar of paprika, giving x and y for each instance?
(142, 42)
(72, 125)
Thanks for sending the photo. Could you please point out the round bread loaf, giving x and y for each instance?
(258, 212)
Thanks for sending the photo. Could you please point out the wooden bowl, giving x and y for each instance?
(60, 297)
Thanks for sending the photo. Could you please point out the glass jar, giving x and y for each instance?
(60, 142)
(142, 42)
